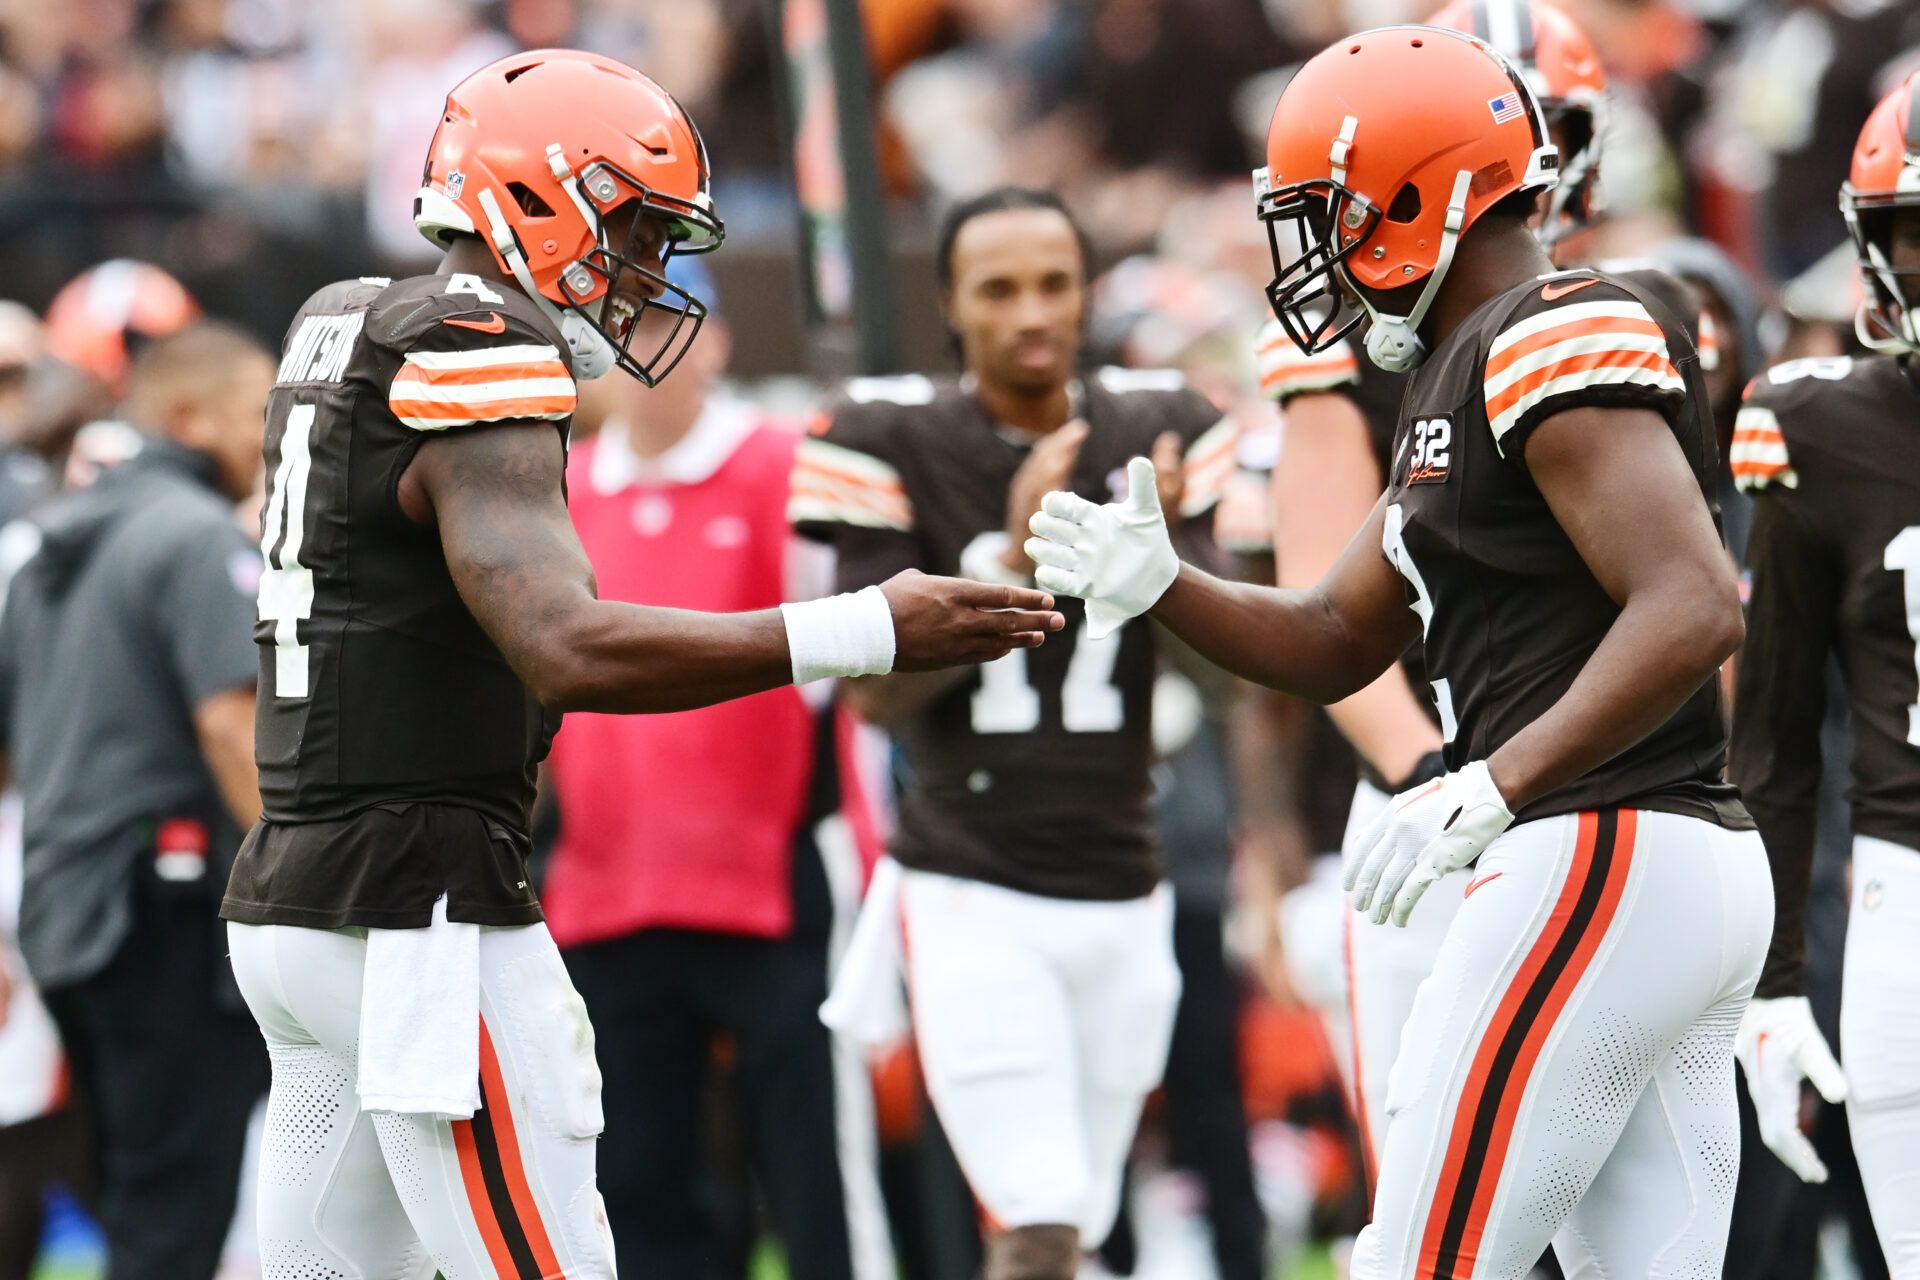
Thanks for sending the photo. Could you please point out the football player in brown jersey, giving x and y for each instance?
(1341, 415)
(1827, 448)
(425, 614)
(1025, 868)
(1566, 1075)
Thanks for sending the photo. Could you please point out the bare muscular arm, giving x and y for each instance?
(1324, 643)
(1324, 483)
(495, 496)
(1621, 488)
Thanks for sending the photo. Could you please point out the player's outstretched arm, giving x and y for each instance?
(1623, 491)
(1322, 644)
(495, 496)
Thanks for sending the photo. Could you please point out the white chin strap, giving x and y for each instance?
(1906, 337)
(1882, 343)
(592, 355)
(1392, 341)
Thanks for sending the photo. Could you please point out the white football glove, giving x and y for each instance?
(1424, 833)
(1779, 1045)
(1116, 557)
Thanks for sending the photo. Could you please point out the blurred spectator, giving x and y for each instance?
(693, 888)
(57, 401)
(417, 49)
(127, 669)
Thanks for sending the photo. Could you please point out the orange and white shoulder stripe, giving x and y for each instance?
(1613, 342)
(833, 484)
(1758, 455)
(1207, 466)
(435, 390)
(1285, 370)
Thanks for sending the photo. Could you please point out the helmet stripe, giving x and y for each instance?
(1510, 22)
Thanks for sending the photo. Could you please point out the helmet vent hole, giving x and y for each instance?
(1406, 205)
(1354, 49)
(517, 72)
(529, 200)
(1418, 44)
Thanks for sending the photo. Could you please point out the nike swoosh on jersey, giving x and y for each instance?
(1477, 881)
(1553, 292)
(498, 324)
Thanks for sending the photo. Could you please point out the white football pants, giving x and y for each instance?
(1880, 1043)
(1566, 1075)
(347, 1194)
(1042, 1024)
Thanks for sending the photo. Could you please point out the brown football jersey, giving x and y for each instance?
(1826, 446)
(1032, 772)
(396, 746)
(1509, 609)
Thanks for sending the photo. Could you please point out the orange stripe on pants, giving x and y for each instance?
(480, 1203)
(1510, 1047)
(493, 1089)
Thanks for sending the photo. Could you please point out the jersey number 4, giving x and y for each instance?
(286, 586)
(1006, 702)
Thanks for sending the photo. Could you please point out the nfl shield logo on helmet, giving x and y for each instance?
(1507, 106)
(456, 183)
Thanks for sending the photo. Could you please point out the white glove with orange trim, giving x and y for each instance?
(1424, 833)
(1780, 1046)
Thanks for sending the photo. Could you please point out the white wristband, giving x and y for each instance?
(981, 561)
(845, 635)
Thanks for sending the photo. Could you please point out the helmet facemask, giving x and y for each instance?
(1311, 297)
(622, 291)
(1887, 321)
(1575, 201)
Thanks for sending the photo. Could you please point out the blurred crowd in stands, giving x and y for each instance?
(256, 148)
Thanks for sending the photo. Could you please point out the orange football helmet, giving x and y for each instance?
(102, 317)
(1382, 151)
(1558, 60)
(533, 154)
(1885, 177)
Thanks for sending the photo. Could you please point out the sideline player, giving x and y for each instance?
(1038, 928)
(1341, 418)
(425, 613)
(1827, 446)
(1566, 1074)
